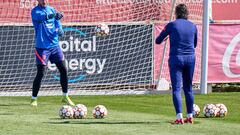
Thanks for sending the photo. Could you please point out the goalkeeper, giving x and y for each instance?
(183, 41)
(47, 26)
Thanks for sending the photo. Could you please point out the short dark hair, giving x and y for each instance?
(181, 11)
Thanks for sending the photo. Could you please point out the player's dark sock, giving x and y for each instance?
(63, 76)
(37, 80)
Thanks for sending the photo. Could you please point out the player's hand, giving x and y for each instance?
(50, 16)
(166, 38)
(60, 32)
(59, 16)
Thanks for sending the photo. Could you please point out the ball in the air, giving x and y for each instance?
(102, 30)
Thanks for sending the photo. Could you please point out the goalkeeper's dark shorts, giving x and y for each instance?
(54, 54)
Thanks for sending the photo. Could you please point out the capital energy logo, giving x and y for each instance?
(228, 55)
(75, 44)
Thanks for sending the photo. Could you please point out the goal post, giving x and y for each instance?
(127, 61)
(205, 37)
(162, 83)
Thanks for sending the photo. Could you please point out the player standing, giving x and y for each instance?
(47, 26)
(183, 41)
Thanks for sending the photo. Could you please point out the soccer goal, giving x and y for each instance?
(127, 61)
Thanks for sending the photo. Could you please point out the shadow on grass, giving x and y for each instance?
(72, 119)
(6, 113)
(203, 117)
(104, 122)
(19, 104)
(112, 123)
(4, 105)
(90, 121)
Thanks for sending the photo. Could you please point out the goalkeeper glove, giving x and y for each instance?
(60, 32)
(50, 16)
(59, 16)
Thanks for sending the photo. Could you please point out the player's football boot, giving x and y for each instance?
(33, 102)
(66, 99)
(188, 120)
(178, 122)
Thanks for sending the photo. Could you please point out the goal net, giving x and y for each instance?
(125, 61)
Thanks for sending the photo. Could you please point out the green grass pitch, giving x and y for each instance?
(128, 115)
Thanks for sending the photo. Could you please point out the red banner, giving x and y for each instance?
(226, 9)
(224, 53)
(19, 11)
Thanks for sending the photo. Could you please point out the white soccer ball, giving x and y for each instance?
(102, 30)
(80, 111)
(221, 110)
(99, 112)
(196, 110)
(209, 110)
(66, 112)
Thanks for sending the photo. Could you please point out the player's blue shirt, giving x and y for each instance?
(183, 37)
(45, 29)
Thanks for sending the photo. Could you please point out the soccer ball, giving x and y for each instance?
(80, 111)
(210, 110)
(102, 30)
(66, 112)
(99, 112)
(196, 110)
(221, 110)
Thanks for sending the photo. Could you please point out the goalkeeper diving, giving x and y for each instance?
(48, 28)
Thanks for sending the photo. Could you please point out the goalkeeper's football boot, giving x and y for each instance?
(66, 99)
(189, 120)
(178, 122)
(33, 102)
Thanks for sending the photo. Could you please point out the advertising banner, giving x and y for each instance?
(224, 53)
(119, 58)
(225, 9)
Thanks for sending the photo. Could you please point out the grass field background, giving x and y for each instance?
(128, 115)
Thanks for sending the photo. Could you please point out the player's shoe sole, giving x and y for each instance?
(68, 101)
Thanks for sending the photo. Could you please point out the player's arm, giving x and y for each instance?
(58, 24)
(40, 16)
(163, 35)
(195, 37)
(59, 29)
(58, 15)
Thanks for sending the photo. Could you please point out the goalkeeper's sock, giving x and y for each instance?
(34, 97)
(65, 94)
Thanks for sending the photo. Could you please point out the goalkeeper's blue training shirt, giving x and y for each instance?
(45, 29)
(183, 37)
